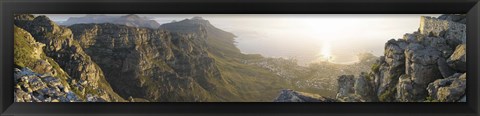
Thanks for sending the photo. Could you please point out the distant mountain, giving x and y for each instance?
(128, 20)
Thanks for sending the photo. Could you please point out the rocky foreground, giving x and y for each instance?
(424, 66)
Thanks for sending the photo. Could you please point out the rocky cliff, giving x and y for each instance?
(424, 66)
(427, 65)
(158, 65)
(46, 81)
(83, 75)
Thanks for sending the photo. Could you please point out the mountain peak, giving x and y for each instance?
(131, 17)
(197, 18)
(132, 20)
(95, 15)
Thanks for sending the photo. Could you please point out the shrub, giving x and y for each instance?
(387, 95)
(375, 67)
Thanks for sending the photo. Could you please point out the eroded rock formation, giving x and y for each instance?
(423, 66)
(61, 48)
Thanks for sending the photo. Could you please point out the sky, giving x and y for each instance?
(336, 38)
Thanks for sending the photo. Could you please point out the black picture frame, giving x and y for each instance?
(469, 7)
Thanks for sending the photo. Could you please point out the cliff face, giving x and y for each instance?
(423, 66)
(64, 50)
(219, 42)
(154, 64)
(45, 81)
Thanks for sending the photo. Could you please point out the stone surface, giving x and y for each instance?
(458, 60)
(413, 63)
(444, 68)
(364, 87)
(295, 96)
(356, 89)
(29, 87)
(421, 69)
(461, 18)
(392, 69)
(450, 89)
(345, 86)
(61, 51)
(453, 32)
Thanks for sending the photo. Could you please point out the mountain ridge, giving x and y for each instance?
(128, 20)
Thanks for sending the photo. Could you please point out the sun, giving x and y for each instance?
(325, 53)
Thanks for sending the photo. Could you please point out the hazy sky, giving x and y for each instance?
(306, 37)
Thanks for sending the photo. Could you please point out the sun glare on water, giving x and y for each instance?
(325, 53)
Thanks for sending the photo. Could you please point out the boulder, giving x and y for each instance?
(405, 91)
(444, 69)
(450, 89)
(439, 43)
(32, 87)
(421, 69)
(421, 63)
(365, 88)
(21, 96)
(42, 67)
(453, 32)
(392, 69)
(345, 85)
(36, 83)
(356, 89)
(458, 60)
(295, 96)
(52, 81)
(461, 18)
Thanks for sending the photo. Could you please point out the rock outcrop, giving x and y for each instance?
(458, 60)
(64, 50)
(390, 69)
(46, 81)
(423, 66)
(295, 96)
(427, 58)
(34, 87)
(356, 89)
(421, 69)
(450, 89)
(460, 18)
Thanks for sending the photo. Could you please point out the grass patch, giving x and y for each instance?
(430, 99)
(23, 48)
(387, 96)
(375, 67)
